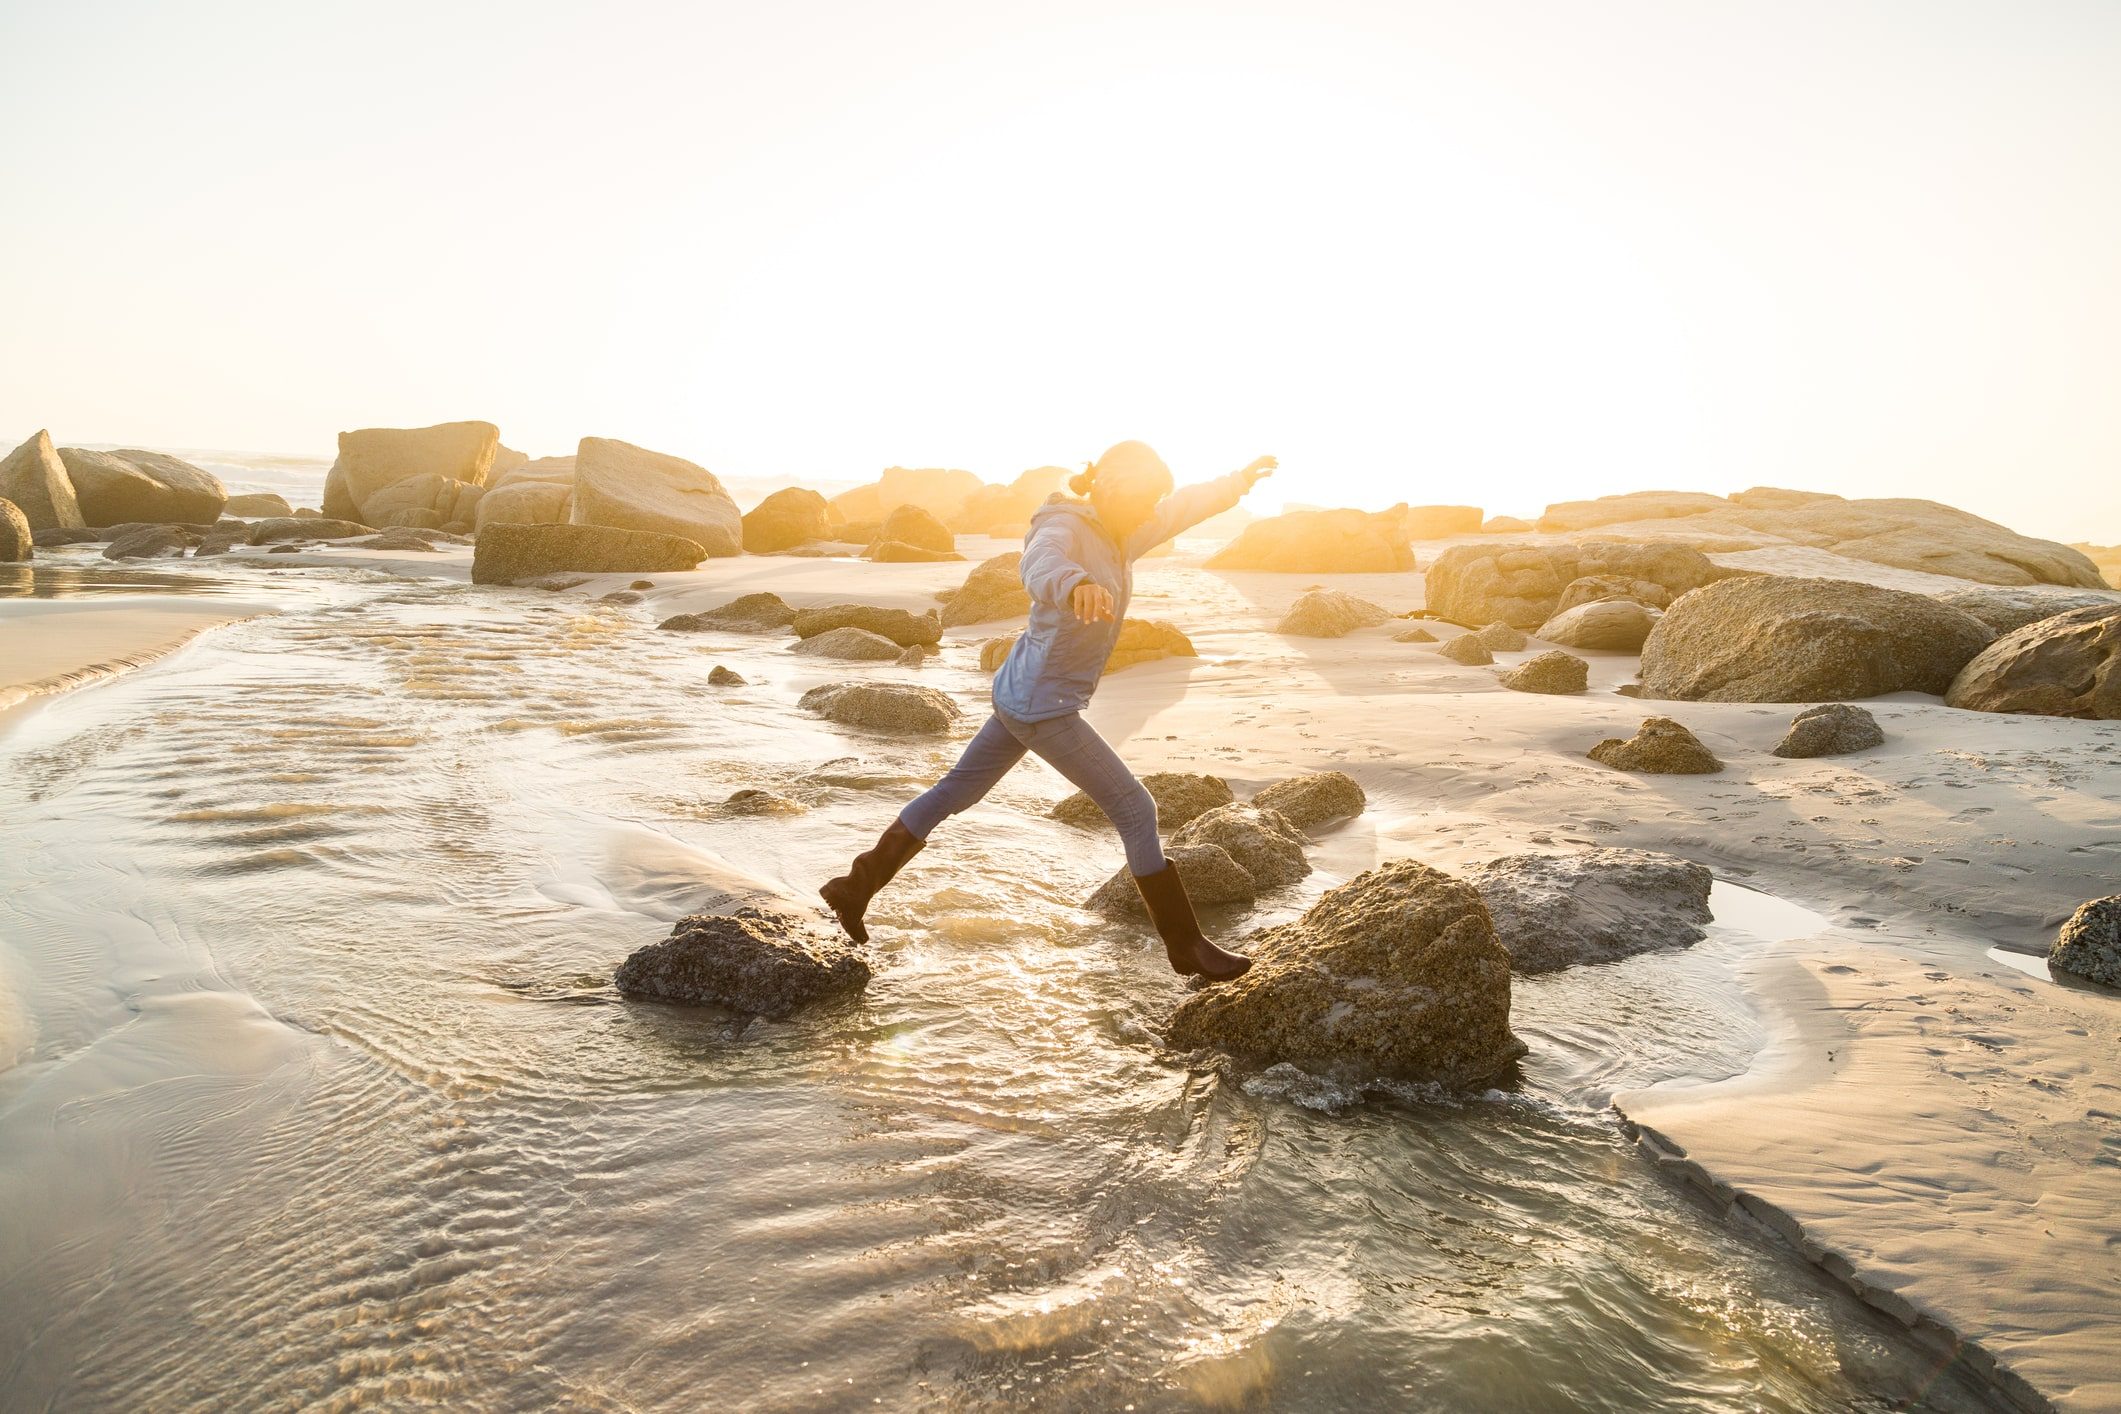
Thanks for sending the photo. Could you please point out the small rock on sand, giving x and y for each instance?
(1397, 972)
(882, 706)
(1180, 796)
(917, 527)
(994, 590)
(720, 676)
(853, 644)
(1557, 910)
(1554, 672)
(1263, 841)
(1330, 613)
(1311, 800)
(2089, 944)
(1467, 649)
(1210, 875)
(747, 613)
(1502, 638)
(1614, 625)
(755, 960)
(1414, 634)
(1660, 746)
(1834, 729)
(901, 626)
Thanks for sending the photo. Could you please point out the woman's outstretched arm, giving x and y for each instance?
(1188, 506)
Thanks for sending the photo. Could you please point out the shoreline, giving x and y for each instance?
(55, 647)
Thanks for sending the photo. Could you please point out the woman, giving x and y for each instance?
(1078, 566)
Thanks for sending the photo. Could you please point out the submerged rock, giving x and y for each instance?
(1397, 972)
(54, 536)
(2089, 944)
(506, 553)
(151, 542)
(1330, 613)
(1210, 875)
(1263, 841)
(1832, 730)
(1767, 638)
(1555, 672)
(1615, 625)
(1660, 746)
(1467, 649)
(2066, 666)
(1557, 910)
(755, 960)
(760, 802)
(33, 477)
(1311, 800)
(994, 590)
(17, 541)
(266, 532)
(747, 613)
(853, 644)
(882, 706)
(1180, 796)
(720, 676)
(902, 626)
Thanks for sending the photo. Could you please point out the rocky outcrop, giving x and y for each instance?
(1312, 800)
(2089, 944)
(33, 477)
(913, 526)
(268, 532)
(626, 487)
(1611, 625)
(901, 626)
(1569, 516)
(1262, 840)
(2066, 666)
(1442, 522)
(1210, 875)
(506, 553)
(787, 518)
(151, 542)
(17, 541)
(755, 960)
(882, 706)
(2007, 610)
(849, 643)
(1522, 584)
(1766, 638)
(1180, 796)
(377, 457)
(1321, 542)
(1005, 510)
(1660, 747)
(525, 503)
(1556, 673)
(1397, 972)
(747, 613)
(1330, 613)
(994, 590)
(115, 487)
(424, 501)
(1467, 649)
(2105, 558)
(255, 504)
(1835, 729)
(1559, 910)
(422, 540)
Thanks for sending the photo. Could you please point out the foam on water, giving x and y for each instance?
(326, 1098)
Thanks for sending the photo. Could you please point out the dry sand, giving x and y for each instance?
(1937, 1126)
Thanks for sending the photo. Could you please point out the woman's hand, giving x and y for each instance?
(1258, 471)
(1092, 602)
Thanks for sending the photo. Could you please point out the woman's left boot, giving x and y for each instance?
(848, 896)
(1185, 946)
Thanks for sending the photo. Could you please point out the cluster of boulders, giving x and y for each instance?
(65, 495)
(1664, 747)
(1529, 585)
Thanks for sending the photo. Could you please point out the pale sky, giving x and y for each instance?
(1499, 253)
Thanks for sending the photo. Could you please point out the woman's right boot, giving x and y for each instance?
(848, 896)
(1190, 952)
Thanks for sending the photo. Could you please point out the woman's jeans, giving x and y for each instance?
(1070, 746)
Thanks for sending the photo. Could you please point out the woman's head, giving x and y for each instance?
(1124, 485)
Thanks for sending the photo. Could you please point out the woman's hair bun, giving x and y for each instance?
(1083, 480)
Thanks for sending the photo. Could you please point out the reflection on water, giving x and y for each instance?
(85, 572)
(329, 1099)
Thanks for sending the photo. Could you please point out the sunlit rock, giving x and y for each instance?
(883, 706)
(2066, 666)
(901, 626)
(1309, 801)
(1660, 747)
(506, 553)
(1321, 542)
(112, 487)
(2089, 944)
(1330, 613)
(1180, 796)
(1558, 910)
(626, 487)
(1834, 729)
(33, 477)
(755, 960)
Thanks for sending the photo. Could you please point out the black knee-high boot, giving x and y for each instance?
(848, 896)
(1190, 952)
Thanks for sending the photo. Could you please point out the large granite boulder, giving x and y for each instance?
(747, 613)
(755, 960)
(17, 541)
(1557, 910)
(994, 590)
(254, 505)
(916, 526)
(1321, 542)
(1312, 800)
(631, 488)
(882, 706)
(1147, 641)
(787, 518)
(1767, 638)
(525, 502)
(427, 500)
(1005, 510)
(849, 644)
(375, 457)
(2089, 944)
(1556, 673)
(1522, 584)
(2007, 609)
(33, 477)
(2066, 666)
(506, 553)
(1181, 797)
(1397, 972)
(1261, 839)
(1835, 729)
(940, 491)
(115, 487)
(901, 626)
(1442, 522)
(1330, 613)
(1612, 625)
(1660, 747)
(1210, 875)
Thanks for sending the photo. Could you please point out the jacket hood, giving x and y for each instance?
(1064, 507)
